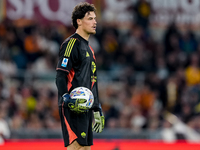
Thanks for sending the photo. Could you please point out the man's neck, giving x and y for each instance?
(83, 34)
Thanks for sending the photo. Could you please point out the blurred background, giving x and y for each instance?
(148, 64)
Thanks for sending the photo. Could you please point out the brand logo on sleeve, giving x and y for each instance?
(64, 62)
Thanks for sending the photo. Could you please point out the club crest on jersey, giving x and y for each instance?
(64, 62)
(93, 67)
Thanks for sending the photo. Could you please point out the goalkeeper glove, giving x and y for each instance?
(73, 104)
(99, 121)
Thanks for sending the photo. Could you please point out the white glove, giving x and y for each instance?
(99, 122)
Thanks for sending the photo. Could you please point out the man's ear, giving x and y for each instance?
(79, 22)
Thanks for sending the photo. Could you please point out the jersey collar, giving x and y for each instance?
(80, 37)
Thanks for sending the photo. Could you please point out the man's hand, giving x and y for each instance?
(74, 104)
(99, 121)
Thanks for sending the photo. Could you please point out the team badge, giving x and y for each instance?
(93, 67)
(64, 62)
(83, 134)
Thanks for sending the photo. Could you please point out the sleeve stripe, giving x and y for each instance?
(69, 43)
(69, 47)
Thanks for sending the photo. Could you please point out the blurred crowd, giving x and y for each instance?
(147, 78)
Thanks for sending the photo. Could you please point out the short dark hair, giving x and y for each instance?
(80, 10)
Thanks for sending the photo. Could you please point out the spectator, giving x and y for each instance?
(188, 43)
(192, 72)
(4, 128)
(143, 11)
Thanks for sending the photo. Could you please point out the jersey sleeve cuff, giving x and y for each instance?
(62, 70)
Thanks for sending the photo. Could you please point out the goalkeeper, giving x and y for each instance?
(77, 67)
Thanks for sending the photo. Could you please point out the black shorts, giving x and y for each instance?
(76, 127)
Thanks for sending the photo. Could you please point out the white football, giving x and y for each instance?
(83, 93)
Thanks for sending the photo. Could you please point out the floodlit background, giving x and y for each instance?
(148, 63)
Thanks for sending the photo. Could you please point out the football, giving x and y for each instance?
(83, 93)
